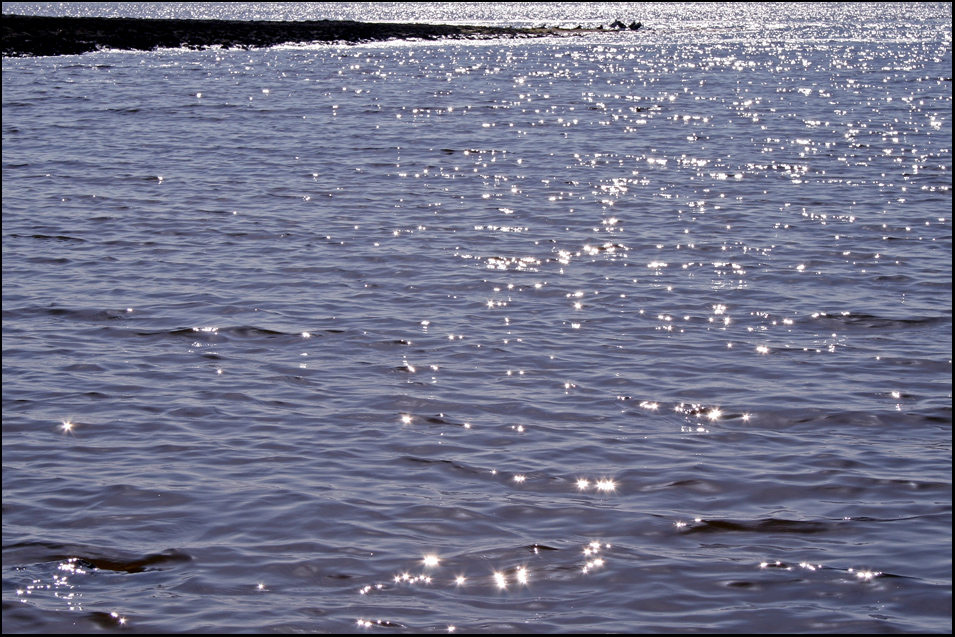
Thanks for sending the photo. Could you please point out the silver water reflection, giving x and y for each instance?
(604, 334)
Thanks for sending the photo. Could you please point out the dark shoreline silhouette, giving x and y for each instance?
(43, 35)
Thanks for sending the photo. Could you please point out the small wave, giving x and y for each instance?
(27, 553)
(767, 525)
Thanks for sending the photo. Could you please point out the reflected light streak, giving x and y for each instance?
(592, 549)
(431, 560)
(499, 579)
(67, 427)
(865, 576)
(606, 485)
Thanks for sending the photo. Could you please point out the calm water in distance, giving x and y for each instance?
(628, 332)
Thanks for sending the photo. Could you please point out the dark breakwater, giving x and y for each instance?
(44, 35)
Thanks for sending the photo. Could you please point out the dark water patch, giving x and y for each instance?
(238, 334)
(54, 621)
(769, 525)
(85, 367)
(193, 412)
(298, 381)
(84, 315)
(450, 464)
(868, 321)
(80, 556)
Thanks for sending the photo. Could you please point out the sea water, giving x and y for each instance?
(634, 331)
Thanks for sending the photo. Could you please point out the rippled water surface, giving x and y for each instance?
(627, 332)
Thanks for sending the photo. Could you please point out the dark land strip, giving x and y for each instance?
(42, 35)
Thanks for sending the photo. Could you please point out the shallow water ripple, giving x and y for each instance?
(605, 334)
